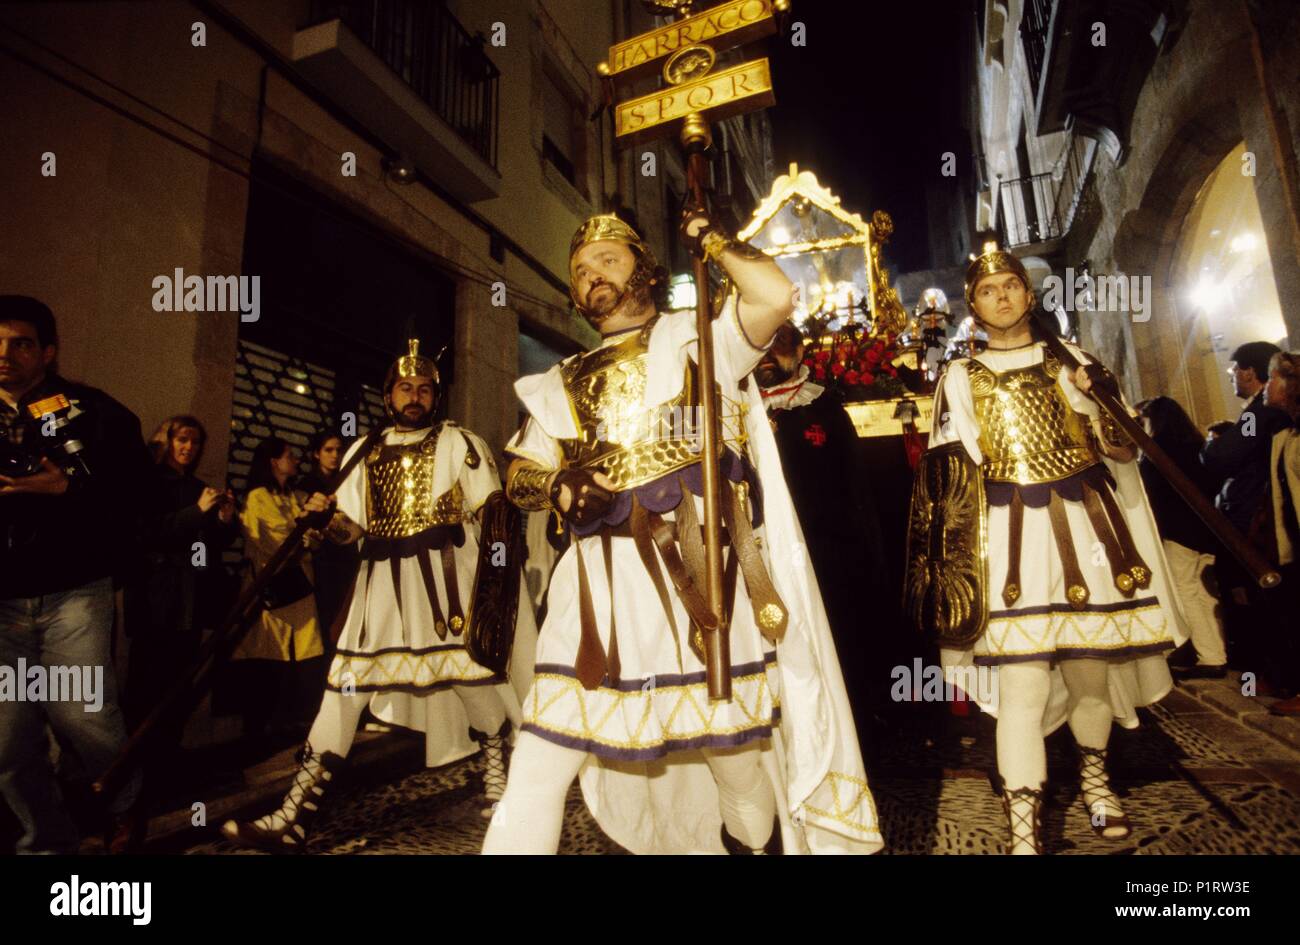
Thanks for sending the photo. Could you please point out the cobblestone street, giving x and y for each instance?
(1209, 772)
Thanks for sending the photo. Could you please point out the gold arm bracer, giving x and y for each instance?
(715, 243)
(528, 486)
(1113, 440)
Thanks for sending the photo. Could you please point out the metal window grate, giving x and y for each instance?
(1034, 28)
(280, 395)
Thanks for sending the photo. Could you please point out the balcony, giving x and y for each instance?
(1083, 79)
(410, 72)
(1041, 208)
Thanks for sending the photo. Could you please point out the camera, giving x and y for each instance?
(16, 462)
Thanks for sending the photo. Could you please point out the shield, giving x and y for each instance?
(495, 602)
(946, 589)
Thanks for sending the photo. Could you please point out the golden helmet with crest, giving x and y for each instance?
(412, 364)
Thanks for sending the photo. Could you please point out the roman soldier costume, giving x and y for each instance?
(427, 633)
(1031, 542)
(620, 675)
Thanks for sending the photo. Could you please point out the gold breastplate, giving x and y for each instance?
(617, 432)
(399, 491)
(1029, 433)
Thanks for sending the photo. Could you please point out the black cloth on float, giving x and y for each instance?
(832, 493)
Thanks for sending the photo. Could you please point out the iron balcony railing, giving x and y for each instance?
(433, 54)
(1043, 206)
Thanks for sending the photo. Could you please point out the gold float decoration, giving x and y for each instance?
(832, 254)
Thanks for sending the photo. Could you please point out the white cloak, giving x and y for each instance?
(669, 804)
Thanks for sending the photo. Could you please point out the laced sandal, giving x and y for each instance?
(495, 749)
(1023, 807)
(1107, 819)
(286, 829)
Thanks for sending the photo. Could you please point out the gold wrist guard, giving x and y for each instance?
(1113, 434)
(714, 243)
(528, 487)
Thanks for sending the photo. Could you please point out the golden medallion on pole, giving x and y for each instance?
(686, 65)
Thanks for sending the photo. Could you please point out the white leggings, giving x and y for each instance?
(530, 815)
(336, 722)
(1023, 690)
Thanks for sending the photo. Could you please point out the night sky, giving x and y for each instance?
(871, 103)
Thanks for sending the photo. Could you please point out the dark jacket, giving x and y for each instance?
(831, 490)
(50, 544)
(1239, 459)
(171, 600)
(1174, 517)
(171, 581)
(335, 565)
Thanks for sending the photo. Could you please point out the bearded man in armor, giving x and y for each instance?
(429, 606)
(619, 698)
(1033, 554)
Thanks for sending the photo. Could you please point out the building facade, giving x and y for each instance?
(380, 166)
(1151, 145)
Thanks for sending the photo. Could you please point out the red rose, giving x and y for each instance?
(821, 373)
(837, 369)
(867, 379)
(873, 356)
(823, 356)
(850, 377)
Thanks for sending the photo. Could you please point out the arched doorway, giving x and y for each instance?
(1223, 289)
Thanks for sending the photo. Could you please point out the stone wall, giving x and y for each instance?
(1202, 99)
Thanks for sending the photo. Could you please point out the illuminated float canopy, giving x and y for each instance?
(831, 254)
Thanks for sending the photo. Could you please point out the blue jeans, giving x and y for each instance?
(68, 629)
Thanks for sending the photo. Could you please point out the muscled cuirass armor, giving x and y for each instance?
(400, 499)
(634, 444)
(1029, 433)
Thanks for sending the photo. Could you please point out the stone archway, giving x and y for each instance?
(1204, 98)
(1145, 243)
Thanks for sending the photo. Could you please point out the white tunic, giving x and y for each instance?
(646, 782)
(1133, 633)
(395, 653)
